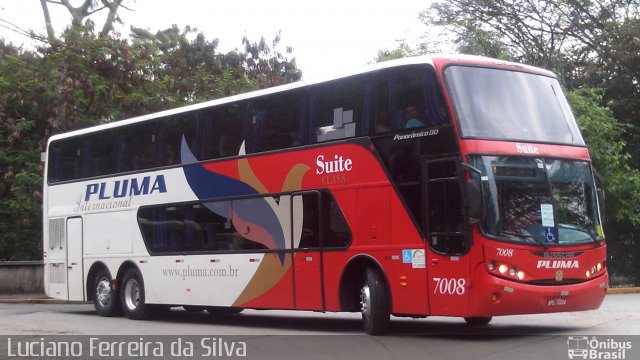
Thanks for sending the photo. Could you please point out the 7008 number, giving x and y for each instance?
(449, 286)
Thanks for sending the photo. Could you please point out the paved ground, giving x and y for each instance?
(268, 334)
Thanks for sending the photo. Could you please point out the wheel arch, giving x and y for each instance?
(124, 267)
(93, 271)
(353, 276)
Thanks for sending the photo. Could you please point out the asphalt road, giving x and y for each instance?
(270, 334)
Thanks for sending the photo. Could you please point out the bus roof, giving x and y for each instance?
(434, 60)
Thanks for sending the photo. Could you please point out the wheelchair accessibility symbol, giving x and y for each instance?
(407, 256)
(550, 235)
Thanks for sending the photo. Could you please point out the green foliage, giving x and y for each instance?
(83, 79)
(483, 43)
(403, 50)
(603, 135)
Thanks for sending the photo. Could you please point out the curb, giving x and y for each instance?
(623, 290)
(33, 299)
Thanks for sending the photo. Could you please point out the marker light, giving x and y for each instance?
(588, 274)
(503, 268)
(512, 272)
(593, 270)
(520, 275)
(491, 266)
(599, 267)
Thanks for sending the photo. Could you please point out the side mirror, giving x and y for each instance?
(474, 193)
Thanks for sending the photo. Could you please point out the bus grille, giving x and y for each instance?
(551, 282)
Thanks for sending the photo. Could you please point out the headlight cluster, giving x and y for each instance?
(595, 269)
(504, 269)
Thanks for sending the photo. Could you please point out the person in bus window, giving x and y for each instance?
(411, 118)
(383, 123)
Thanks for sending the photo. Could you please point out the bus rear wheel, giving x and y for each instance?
(105, 297)
(132, 296)
(478, 320)
(374, 303)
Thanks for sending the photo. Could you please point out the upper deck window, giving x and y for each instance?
(511, 105)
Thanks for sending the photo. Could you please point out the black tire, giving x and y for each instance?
(478, 320)
(132, 296)
(223, 310)
(374, 303)
(106, 299)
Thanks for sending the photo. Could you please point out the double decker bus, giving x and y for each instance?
(446, 185)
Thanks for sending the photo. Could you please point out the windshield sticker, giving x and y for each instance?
(550, 235)
(546, 211)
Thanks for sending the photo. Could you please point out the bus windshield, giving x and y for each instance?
(510, 105)
(539, 200)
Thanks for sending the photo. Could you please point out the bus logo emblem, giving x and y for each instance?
(559, 275)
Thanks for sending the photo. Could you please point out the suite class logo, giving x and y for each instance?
(527, 149)
(334, 169)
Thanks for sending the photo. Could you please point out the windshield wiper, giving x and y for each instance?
(525, 237)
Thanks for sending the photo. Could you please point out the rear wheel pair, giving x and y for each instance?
(129, 298)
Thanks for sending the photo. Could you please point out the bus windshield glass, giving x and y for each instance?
(510, 105)
(538, 200)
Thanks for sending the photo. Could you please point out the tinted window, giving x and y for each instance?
(170, 134)
(407, 98)
(136, 147)
(163, 228)
(337, 109)
(499, 104)
(322, 219)
(222, 131)
(64, 160)
(99, 154)
(278, 122)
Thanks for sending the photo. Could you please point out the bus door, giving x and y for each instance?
(448, 264)
(307, 250)
(75, 276)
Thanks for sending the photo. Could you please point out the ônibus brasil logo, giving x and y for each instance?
(581, 347)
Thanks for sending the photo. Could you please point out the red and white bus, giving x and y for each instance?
(450, 185)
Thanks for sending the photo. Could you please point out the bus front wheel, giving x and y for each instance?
(132, 296)
(105, 298)
(374, 303)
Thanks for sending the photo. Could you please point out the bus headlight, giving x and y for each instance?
(503, 268)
